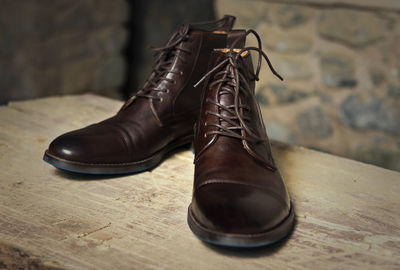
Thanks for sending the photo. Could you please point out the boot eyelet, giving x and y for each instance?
(161, 99)
(167, 91)
(181, 73)
(205, 135)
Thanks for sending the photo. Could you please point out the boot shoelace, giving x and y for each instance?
(233, 82)
(165, 56)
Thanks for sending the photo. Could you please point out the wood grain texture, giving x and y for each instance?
(347, 212)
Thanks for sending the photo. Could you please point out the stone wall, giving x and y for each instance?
(61, 47)
(70, 47)
(341, 67)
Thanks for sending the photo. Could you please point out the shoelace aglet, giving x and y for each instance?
(277, 75)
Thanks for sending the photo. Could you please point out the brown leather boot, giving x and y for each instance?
(239, 197)
(157, 119)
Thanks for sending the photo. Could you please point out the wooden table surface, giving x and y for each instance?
(348, 213)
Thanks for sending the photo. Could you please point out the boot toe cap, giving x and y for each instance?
(237, 208)
(89, 146)
(65, 147)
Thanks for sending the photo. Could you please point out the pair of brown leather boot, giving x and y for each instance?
(203, 78)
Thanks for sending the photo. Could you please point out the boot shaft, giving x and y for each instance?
(230, 114)
(169, 91)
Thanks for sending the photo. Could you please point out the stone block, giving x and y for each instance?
(249, 14)
(353, 28)
(261, 95)
(291, 15)
(293, 68)
(377, 76)
(371, 113)
(284, 94)
(282, 42)
(393, 90)
(337, 70)
(280, 132)
(314, 123)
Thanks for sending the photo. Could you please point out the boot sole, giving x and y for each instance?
(117, 168)
(265, 238)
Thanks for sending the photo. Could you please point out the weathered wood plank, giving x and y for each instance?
(347, 212)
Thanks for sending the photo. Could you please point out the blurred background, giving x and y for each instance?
(340, 60)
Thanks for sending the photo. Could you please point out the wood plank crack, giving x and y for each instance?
(93, 231)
